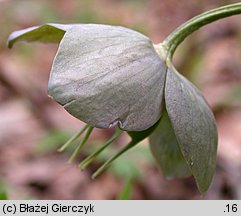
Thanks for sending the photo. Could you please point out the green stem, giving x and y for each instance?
(176, 37)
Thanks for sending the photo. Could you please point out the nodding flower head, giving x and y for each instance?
(112, 76)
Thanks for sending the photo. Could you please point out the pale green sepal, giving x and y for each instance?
(166, 150)
(107, 75)
(47, 33)
(194, 126)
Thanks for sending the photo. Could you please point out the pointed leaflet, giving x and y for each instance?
(166, 150)
(48, 33)
(107, 75)
(194, 125)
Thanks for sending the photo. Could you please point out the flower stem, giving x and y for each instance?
(177, 36)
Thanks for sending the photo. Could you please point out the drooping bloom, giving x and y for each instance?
(108, 75)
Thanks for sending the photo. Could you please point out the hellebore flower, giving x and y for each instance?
(110, 76)
(107, 75)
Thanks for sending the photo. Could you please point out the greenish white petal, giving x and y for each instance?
(166, 151)
(194, 126)
(107, 75)
(47, 33)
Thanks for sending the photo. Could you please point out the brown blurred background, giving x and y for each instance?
(32, 126)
